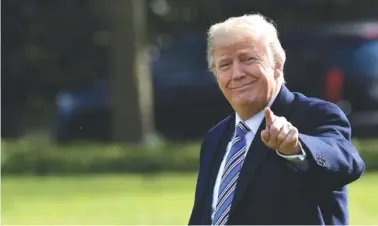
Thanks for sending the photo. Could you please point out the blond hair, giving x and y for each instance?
(253, 23)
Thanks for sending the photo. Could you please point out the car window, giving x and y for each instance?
(183, 64)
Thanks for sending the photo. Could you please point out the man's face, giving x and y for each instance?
(245, 72)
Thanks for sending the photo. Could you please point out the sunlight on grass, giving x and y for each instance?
(130, 199)
(97, 200)
(363, 200)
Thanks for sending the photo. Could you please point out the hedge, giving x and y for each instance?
(42, 158)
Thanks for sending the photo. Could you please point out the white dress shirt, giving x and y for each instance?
(253, 123)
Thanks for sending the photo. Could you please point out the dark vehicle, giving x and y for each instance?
(338, 63)
(187, 100)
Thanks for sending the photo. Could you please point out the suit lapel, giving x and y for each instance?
(258, 150)
(215, 150)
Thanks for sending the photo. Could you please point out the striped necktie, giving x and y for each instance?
(232, 168)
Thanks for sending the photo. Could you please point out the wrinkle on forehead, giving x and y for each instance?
(229, 44)
(238, 45)
(236, 36)
(231, 36)
(236, 49)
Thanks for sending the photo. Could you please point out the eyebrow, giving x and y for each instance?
(243, 53)
(221, 61)
(249, 51)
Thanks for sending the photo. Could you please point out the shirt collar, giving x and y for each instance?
(254, 122)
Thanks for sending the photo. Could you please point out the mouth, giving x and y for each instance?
(243, 86)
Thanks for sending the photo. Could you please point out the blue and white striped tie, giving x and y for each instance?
(230, 175)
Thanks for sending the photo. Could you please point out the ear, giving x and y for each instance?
(278, 73)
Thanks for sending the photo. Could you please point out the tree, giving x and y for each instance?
(131, 84)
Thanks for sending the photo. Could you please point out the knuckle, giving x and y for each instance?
(274, 129)
(294, 139)
(291, 136)
(287, 128)
(282, 119)
(293, 130)
(281, 136)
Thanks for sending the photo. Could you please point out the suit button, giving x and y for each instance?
(320, 160)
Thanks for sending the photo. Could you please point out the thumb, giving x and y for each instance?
(269, 116)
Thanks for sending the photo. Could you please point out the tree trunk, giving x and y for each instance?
(131, 89)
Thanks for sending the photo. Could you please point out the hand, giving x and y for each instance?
(280, 135)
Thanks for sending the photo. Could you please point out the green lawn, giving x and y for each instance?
(130, 199)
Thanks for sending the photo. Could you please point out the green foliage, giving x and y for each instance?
(36, 157)
(41, 158)
(369, 152)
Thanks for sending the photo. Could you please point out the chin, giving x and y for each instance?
(243, 101)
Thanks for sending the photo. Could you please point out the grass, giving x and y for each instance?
(130, 199)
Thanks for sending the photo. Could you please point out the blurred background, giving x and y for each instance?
(94, 93)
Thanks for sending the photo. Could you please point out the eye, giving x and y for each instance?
(224, 64)
(250, 59)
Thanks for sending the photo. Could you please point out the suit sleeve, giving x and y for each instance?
(333, 160)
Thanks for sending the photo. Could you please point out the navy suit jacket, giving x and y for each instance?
(272, 190)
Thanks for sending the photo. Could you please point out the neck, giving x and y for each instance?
(247, 112)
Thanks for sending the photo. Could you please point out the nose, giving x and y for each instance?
(237, 70)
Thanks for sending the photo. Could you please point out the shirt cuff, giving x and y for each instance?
(294, 158)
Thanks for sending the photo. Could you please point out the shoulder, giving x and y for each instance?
(312, 115)
(317, 107)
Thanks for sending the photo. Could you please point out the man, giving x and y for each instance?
(281, 158)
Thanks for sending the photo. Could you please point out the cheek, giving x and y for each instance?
(265, 84)
(256, 70)
(265, 74)
(223, 81)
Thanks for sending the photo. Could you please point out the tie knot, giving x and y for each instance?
(242, 129)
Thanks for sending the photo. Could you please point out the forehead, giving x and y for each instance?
(226, 45)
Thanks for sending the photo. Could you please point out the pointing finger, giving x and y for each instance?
(269, 116)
